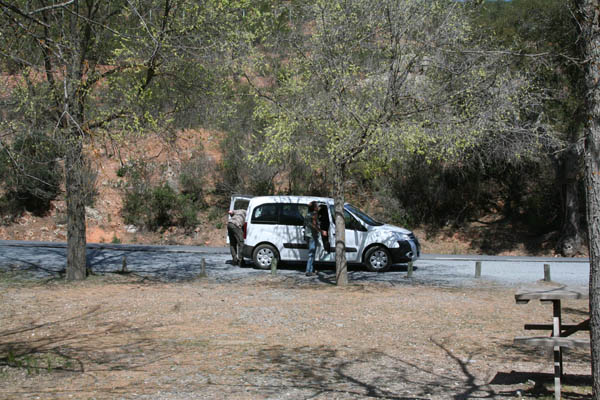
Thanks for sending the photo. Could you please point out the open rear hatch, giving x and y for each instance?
(238, 202)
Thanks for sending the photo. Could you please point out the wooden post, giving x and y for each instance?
(124, 265)
(409, 270)
(203, 268)
(478, 269)
(274, 266)
(556, 329)
(547, 273)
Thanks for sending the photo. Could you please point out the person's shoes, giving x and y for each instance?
(308, 274)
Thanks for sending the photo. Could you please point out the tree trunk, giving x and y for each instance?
(76, 242)
(341, 265)
(589, 13)
(571, 240)
(73, 117)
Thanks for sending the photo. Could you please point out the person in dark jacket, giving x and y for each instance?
(311, 235)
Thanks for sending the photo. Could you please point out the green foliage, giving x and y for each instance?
(544, 37)
(155, 206)
(437, 194)
(192, 177)
(215, 213)
(433, 194)
(37, 362)
(372, 79)
(239, 171)
(543, 34)
(159, 207)
(30, 173)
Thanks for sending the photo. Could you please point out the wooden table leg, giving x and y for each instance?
(558, 365)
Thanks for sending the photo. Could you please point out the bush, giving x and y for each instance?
(418, 192)
(31, 174)
(158, 207)
(438, 194)
(192, 177)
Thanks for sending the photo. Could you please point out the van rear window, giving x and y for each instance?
(280, 214)
(265, 214)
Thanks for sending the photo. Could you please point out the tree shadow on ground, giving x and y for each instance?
(53, 263)
(69, 345)
(495, 237)
(323, 372)
(503, 236)
(539, 384)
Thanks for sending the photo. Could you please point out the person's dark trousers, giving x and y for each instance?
(236, 240)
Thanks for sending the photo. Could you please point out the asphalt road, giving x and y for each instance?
(169, 263)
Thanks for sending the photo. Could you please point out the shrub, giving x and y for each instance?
(88, 176)
(158, 207)
(192, 177)
(31, 173)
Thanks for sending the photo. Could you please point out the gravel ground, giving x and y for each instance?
(176, 263)
(272, 337)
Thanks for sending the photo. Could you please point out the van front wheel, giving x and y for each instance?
(378, 259)
(264, 255)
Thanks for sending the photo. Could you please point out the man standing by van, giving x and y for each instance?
(311, 232)
(236, 235)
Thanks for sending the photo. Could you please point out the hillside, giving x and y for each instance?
(105, 221)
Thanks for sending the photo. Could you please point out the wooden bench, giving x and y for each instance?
(552, 341)
(560, 334)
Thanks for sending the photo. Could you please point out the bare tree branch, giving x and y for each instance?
(22, 13)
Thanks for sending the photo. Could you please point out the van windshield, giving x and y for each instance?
(361, 215)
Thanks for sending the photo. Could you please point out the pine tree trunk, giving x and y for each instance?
(341, 265)
(589, 13)
(571, 238)
(593, 217)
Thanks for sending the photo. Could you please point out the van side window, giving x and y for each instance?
(265, 214)
(293, 214)
(352, 223)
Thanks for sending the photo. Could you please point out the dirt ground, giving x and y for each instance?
(272, 337)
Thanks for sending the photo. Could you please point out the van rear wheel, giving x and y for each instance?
(264, 255)
(378, 259)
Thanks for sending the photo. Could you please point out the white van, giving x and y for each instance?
(274, 228)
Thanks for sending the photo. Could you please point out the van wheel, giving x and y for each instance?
(264, 255)
(378, 259)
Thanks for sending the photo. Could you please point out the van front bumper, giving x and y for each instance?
(408, 250)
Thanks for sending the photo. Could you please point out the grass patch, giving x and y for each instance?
(13, 278)
(194, 343)
(35, 363)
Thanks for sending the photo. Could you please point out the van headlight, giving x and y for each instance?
(402, 236)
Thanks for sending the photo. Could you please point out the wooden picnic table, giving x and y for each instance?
(560, 334)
